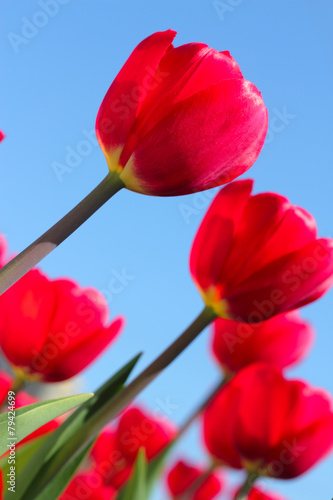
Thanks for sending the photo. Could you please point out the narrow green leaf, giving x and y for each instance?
(136, 488)
(69, 439)
(155, 466)
(18, 424)
(59, 483)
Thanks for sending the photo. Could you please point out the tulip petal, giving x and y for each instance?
(71, 361)
(213, 240)
(28, 309)
(123, 100)
(270, 228)
(280, 341)
(296, 279)
(219, 426)
(233, 125)
(182, 72)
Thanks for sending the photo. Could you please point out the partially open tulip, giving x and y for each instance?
(269, 425)
(87, 486)
(116, 449)
(52, 329)
(180, 120)
(282, 341)
(260, 494)
(183, 476)
(258, 256)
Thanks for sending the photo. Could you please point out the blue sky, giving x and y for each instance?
(56, 75)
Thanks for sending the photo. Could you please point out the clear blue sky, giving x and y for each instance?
(52, 85)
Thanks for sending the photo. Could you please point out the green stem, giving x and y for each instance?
(35, 252)
(200, 408)
(95, 424)
(247, 486)
(124, 397)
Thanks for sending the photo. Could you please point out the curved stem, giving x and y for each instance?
(34, 253)
(247, 486)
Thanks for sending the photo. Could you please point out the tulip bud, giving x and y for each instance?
(177, 120)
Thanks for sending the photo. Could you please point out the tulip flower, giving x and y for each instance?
(180, 120)
(2, 135)
(86, 486)
(282, 341)
(183, 476)
(258, 256)
(116, 449)
(52, 329)
(268, 425)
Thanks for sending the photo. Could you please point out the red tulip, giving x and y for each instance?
(87, 486)
(116, 449)
(2, 135)
(53, 329)
(259, 494)
(183, 476)
(264, 423)
(282, 341)
(180, 120)
(257, 256)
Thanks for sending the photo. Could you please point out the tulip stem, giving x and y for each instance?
(34, 253)
(201, 408)
(247, 486)
(128, 393)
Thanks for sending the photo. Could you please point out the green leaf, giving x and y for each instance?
(70, 438)
(155, 467)
(25, 420)
(59, 483)
(136, 488)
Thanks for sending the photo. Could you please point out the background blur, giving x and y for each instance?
(57, 70)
